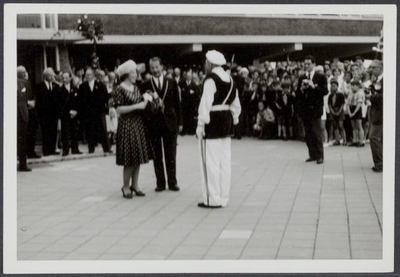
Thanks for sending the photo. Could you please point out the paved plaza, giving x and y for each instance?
(280, 208)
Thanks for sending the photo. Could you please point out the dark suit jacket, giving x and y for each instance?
(190, 97)
(68, 101)
(377, 102)
(166, 123)
(93, 103)
(23, 90)
(311, 101)
(46, 100)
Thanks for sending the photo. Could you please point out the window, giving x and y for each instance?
(28, 21)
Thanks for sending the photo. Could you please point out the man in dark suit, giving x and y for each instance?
(164, 125)
(48, 111)
(69, 102)
(94, 106)
(311, 91)
(190, 103)
(375, 95)
(33, 124)
(22, 117)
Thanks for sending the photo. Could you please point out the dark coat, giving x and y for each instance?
(68, 101)
(23, 92)
(93, 103)
(167, 122)
(376, 99)
(190, 97)
(311, 101)
(47, 101)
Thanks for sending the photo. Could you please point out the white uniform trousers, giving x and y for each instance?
(215, 165)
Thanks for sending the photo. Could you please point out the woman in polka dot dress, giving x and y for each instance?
(133, 146)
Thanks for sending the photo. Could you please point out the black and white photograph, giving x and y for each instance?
(199, 138)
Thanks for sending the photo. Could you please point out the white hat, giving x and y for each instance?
(215, 57)
(126, 67)
(244, 69)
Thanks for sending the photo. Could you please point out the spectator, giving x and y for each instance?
(285, 102)
(375, 95)
(48, 111)
(346, 90)
(94, 108)
(190, 102)
(312, 90)
(22, 117)
(68, 100)
(336, 105)
(357, 99)
(265, 122)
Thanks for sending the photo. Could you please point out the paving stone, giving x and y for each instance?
(274, 202)
(367, 254)
(295, 253)
(332, 253)
(259, 253)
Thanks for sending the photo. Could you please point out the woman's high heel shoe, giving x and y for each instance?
(126, 195)
(137, 193)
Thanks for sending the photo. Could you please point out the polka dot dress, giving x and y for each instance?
(133, 146)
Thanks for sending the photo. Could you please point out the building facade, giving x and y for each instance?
(51, 40)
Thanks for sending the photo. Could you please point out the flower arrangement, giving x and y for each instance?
(91, 29)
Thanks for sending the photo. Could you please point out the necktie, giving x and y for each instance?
(159, 83)
(51, 87)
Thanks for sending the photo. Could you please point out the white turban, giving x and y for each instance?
(126, 68)
(215, 57)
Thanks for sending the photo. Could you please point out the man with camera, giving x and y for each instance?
(311, 91)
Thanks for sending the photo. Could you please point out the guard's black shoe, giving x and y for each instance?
(310, 160)
(202, 205)
(320, 161)
(24, 169)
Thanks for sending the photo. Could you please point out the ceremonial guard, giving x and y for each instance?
(219, 110)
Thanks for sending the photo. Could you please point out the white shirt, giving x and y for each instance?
(311, 74)
(48, 85)
(68, 87)
(91, 85)
(207, 99)
(156, 80)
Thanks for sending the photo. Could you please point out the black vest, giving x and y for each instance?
(221, 122)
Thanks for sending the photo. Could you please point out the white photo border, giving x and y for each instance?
(12, 265)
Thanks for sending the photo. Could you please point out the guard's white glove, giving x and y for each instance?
(200, 132)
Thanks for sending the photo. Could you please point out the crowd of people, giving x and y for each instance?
(276, 101)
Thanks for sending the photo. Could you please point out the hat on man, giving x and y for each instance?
(215, 57)
(126, 68)
(334, 81)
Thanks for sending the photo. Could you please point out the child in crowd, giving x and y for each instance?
(265, 122)
(346, 90)
(336, 108)
(357, 99)
(285, 106)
